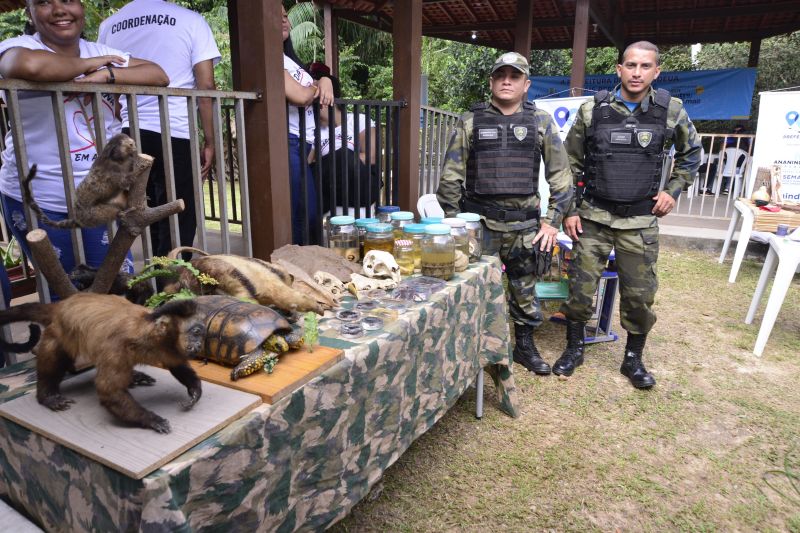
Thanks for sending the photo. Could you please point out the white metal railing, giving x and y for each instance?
(436, 126)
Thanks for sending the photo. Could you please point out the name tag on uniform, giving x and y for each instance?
(621, 137)
(487, 134)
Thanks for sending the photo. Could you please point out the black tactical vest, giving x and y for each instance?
(504, 157)
(625, 154)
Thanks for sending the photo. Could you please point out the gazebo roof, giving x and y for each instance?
(665, 22)
(10, 5)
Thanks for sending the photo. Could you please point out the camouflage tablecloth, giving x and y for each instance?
(300, 464)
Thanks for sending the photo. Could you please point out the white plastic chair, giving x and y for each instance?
(734, 161)
(745, 234)
(428, 206)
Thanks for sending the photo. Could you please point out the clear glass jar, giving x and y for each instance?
(458, 229)
(384, 212)
(475, 234)
(399, 220)
(415, 232)
(379, 237)
(404, 255)
(438, 252)
(361, 227)
(430, 220)
(343, 237)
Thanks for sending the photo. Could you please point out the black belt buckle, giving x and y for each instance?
(622, 210)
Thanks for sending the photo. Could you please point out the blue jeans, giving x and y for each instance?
(95, 240)
(299, 211)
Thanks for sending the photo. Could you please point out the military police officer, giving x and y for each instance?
(617, 148)
(492, 168)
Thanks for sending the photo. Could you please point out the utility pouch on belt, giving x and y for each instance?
(524, 261)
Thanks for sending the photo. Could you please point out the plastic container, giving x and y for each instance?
(343, 237)
(361, 227)
(404, 255)
(415, 232)
(438, 252)
(458, 229)
(475, 235)
(379, 237)
(400, 219)
(384, 212)
(430, 220)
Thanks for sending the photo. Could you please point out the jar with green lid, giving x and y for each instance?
(361, 227)
(384, 212)
(404, 255)
(475, 234)
(438, 252)
(379, 237)
(415, 232)
(399, 220)
(343, 237)
(458, 229)
(430, 220)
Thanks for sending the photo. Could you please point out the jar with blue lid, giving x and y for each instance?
(438, 252)
(384, 212)
(343, 237)
(415, 233)
(379, 237)
(399, 220)
(431, 220)
(361, 227)
(475, 235)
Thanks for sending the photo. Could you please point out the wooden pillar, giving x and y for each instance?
(407, 39)
(523, 33)
(331, 39)
(755, 51)
(580, 40)
(257, 58)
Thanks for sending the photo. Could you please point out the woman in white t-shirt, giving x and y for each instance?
(301, 91)
(56, 53)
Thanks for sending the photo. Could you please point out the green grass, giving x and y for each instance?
(699, 452)
(212, 224)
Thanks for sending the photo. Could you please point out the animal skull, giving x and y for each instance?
(462, 261)
(330, 283)
(359, 285)
(380, 264)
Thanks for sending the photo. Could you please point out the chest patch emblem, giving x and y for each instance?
(644, 138)
(620, 137)
(520, 132)
(487, 133)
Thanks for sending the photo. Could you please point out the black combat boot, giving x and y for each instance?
(632, 366)
(525, 352)
(572, 357)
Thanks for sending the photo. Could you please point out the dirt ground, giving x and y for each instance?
(715, 446)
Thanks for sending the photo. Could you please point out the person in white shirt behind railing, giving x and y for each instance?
(53, 51)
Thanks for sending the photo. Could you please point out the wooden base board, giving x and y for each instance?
(89, 429)
(294, 369)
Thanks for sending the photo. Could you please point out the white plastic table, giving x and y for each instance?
(787, 255)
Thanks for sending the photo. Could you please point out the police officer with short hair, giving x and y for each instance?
(492, 168)
(617, 148)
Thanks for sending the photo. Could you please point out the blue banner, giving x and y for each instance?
(707, 94)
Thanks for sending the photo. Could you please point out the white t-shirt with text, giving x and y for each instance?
(303, 78)
(39, 130)
(351, 145)
(172, 36)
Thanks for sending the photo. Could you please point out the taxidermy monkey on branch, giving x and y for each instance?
(115, 335)
(103, 193)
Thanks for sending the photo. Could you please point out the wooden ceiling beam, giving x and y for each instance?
(789, 7)
(496, 25)
(610, 27)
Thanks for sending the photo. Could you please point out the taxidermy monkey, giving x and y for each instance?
(103, 193)
(115, 335)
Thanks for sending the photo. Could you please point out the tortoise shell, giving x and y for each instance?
(236, 328)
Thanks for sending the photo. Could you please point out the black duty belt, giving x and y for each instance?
(502, 215)
(642, 207)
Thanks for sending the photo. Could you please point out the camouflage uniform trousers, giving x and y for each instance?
(636, 252)
(515, 249)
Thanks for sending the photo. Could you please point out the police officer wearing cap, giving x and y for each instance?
(492, 168)
(617, 149)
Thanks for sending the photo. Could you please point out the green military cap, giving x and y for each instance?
(512, 59)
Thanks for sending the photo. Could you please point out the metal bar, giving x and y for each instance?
(332, 166)
(396, 158)
(197, 180)
(234, 217)
(241, 151)
(369, 148)
(389, 196)
(356, 160)
(169, 166)
(305, 237)
(222, 189)
(423, 147)
(345, 177)
(72, 87)
(57, 99)
(378, 159)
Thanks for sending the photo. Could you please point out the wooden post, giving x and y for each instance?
(755, 51)
(258, 66)
(331, 38)
(523, 33)
(579, 41)
(407, 38)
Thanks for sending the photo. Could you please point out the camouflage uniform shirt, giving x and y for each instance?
(556, 168)
(687, 158)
